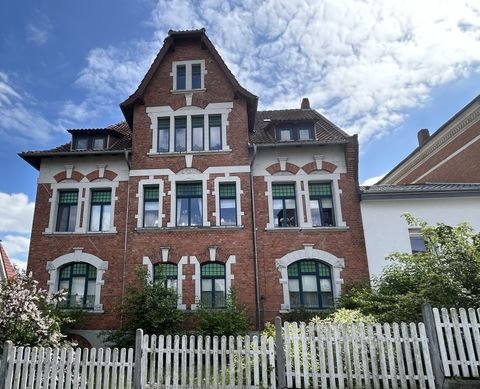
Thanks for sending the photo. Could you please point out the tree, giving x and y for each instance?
(446, 274)
(28, 316)
(151, 306)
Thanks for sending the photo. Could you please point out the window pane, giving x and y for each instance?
(315, 212)
(213, 269)
(207, 285)
(82, 144)
(285, 134)
(189, 190)
(309, 283)
(99, 143)
(227, 190)
(304, 134)
(180, 134)
(278, 212)
(78, 287)
(319, 189)
(327, 300)
(215, 124)
(106, 217)
(63, 285)
(197, 138)
(325, 285)
(310, 300)
(196, 212)
(95, 218)
(181, 77)
(228, 212)
(101, 197)
(196, 76)
(163, 134)
(151, 193)
(327, 214)
(68, 197)
(294, 285)
(418, 244)
(150, 216)
(283, 190)
(182, 212)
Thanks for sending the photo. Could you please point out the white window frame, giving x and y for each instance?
(84, 196)
(238, 193)
(308, 252)
(188, 75)
(222, 109)
(140, 196)
(180, 276)
(188, 177)
(53, 268)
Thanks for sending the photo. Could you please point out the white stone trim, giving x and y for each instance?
(229, 276)
(180, 277)
(140, 196)
(83, 203)
(186, 176)
(308, 252)
(188, 75)
(156, 112)
(78, 256)
(238, 193)
(210, 170)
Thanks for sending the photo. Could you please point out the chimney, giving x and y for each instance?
(423, 136)
(305, 103)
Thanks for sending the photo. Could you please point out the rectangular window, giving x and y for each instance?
(99, 143)
(197, 132)
(213, 285)
(196, 76)
(189, 204)
(81, 143)
(215, 131)
(180, 133)
(284, 205)
(285, 134)
(228, 204)
(100, 210)
(67, 211)
(321, 204)
(163, 134)
(151, 206)
(181, 77)
(417, 243)
(305, 134)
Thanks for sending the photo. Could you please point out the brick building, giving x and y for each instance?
(171, 189)
(438, 182)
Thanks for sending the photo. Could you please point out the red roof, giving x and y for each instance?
(6, 265)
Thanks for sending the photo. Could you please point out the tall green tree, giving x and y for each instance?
(447, 274)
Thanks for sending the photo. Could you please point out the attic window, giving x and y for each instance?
(97, 142)
(295, 133)
(188, 75)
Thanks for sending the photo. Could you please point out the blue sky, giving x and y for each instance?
(380, 69)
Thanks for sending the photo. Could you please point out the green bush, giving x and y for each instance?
(151, 306)
(231, 320)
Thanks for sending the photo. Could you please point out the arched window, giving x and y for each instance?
(310, 285)
(78, 279)
(167, 273)
(213, 285)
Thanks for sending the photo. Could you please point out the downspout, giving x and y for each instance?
(254, 236)
(126, 237)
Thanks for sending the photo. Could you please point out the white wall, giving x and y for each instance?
(386, 231)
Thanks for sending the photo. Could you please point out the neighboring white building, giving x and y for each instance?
(386, 230)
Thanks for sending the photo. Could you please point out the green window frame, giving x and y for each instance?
(167, 273)
(100, 210)
(310, 285)
(322, 208)
(181, 77)
(163, 138)
(198, 128)
(228, 203)
(67, 211)
(213, 279)
(79, 280)
(284, 205)
(189, 204)
(151, 206)
(196, 76)
(215, 132)
(180, 133)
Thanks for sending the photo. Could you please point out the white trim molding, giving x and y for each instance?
(308, 252)
(188, 75)
(140, 196)
(78, 255)
(238, 201)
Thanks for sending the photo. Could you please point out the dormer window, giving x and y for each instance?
(188, 75)
(97, 142)
(294, 133)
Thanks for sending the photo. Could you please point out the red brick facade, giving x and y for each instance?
(127, 244)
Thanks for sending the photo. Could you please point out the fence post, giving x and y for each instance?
(138, 383)
(279, 351)
(7, 350)
(433, 345)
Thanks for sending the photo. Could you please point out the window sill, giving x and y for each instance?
(183, 153)
(308, 229)
(79, 233)
(180, 91)
(185, 228)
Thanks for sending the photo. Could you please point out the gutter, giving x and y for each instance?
(255, 249)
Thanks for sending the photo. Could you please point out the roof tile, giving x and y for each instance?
(6, 264)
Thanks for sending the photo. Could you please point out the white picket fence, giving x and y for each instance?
(68, 368)
(357, 356)
(208, 362)
(459, 341)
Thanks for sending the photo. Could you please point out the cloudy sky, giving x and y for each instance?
(382, 69)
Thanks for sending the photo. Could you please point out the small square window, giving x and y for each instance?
(305, 134)
(285, 134)
(81, 143)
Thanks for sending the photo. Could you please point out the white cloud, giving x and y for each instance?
(38, 31)
(372, 180)
(20, 118)
(17, 247)
(16, 212)
(362, 63)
